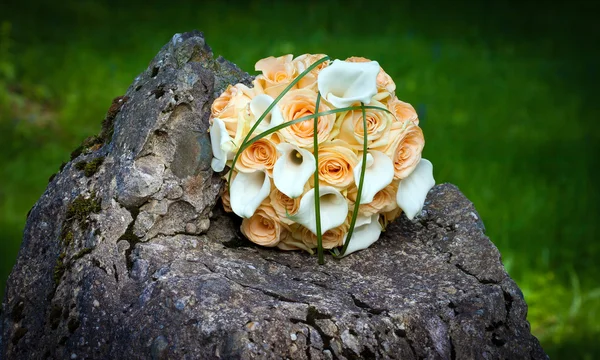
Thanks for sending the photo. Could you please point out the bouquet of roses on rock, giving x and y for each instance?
(322, 154)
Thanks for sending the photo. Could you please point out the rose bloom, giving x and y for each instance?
(405, 147)
(336, 164)
(402, 111)
(261, 154)
(331, 238)
(284, 205)
(384, 81)
(383, 201)
(302, 62)
(299, 103)
(263, 228)
(229, 104)
(387, 217)
(378, 127)
(225, 199)
(277, 73)
(288, 242)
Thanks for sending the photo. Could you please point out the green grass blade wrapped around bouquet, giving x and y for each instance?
(317, 198)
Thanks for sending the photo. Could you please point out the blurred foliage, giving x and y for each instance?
(505, 92)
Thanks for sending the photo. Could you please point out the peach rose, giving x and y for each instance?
(383, 201)
(299, 103)
(277, 73)
(336, 164)
(331, 238)
(229, 104)
(404, 148)
(384, 81)
(284, 205)
(402, 111)
(351, 128)
(225, 199)
(386, 218)
(262, 154)
(262, 228)
(302, 62)
(288, 242)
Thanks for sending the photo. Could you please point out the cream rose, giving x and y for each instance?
(226, 200)
(384, 81)
(302, 63)
(261, 154)
(277, 73)
(405, 147)
(402, 111)
(383, 201)
(386, 218)
(331, 238)
(289, 242)
(285, 205)
(229, 105)
(263, 228)
(378, 127)
(336, 164)
(299, 103)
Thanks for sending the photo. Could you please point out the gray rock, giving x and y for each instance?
(132, 259)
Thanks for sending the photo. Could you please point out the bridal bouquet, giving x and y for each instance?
(321, 154)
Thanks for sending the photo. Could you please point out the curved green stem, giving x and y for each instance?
(317, 199)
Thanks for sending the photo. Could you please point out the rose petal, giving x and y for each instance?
(345, 83)
(364, 235)
(378, 175)
(413, 189)
(334, 209)
(293, 169)
(222, 145)
(258, 105)
(248, 190)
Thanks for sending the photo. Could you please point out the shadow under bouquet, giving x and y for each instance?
(321, 154)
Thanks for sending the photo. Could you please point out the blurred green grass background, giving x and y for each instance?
(505, 92)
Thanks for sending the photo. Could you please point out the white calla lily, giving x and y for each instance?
(293, 169)
(222, 145)
(345, 83)
(258, 105)
(378, 175)
(366, 231)
(413, 190)
(334, 209)
(247, 191)
(362, 220)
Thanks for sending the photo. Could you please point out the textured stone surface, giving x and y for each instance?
(134, 260)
